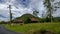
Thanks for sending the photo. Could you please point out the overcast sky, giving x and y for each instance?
(20, 7)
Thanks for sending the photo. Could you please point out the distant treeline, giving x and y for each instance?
(42, 20)
(55, 19)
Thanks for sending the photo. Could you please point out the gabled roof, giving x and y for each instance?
(34, 19)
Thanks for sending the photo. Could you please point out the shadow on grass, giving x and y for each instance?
(42, 31)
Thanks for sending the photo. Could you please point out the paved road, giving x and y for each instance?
(3, 30)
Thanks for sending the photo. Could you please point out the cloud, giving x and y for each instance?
(20, 7)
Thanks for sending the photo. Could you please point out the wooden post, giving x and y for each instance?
(10, 14)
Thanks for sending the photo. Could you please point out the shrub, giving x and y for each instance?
(3, 22)
(28, 20)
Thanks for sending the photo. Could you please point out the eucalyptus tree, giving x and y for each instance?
(51, 6)
(48, 5)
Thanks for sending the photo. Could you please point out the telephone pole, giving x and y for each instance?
(10, 14)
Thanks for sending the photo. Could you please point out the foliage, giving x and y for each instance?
(28, 20)
(3, 22)
(35, 13)
(47, 4)
(56, 19)
(42, 20)
(25, 16)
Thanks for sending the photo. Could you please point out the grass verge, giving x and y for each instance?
(55, 27)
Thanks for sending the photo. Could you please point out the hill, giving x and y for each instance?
(25, 16)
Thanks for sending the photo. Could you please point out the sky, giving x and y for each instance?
(20, 7)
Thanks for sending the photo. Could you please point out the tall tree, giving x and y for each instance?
(51, 7)
(47, 4)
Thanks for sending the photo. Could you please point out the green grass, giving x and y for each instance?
(55, 27)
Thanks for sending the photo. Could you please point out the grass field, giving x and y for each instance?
(55, 27)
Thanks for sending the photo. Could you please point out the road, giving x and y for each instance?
(3, 30)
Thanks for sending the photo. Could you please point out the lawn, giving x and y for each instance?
(55, 27)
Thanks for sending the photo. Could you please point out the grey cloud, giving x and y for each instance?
(19, 9)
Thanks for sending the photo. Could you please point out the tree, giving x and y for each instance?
(48, 5)
(35, 13)
(51, 7)
(3, 22)
(28, 20)
(57, 5)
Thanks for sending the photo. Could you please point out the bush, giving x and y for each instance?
(3, 22)
(28, 20)
(42, 20)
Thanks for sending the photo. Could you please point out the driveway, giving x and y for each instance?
(3, 30)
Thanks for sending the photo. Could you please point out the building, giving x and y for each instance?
(21, 19)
